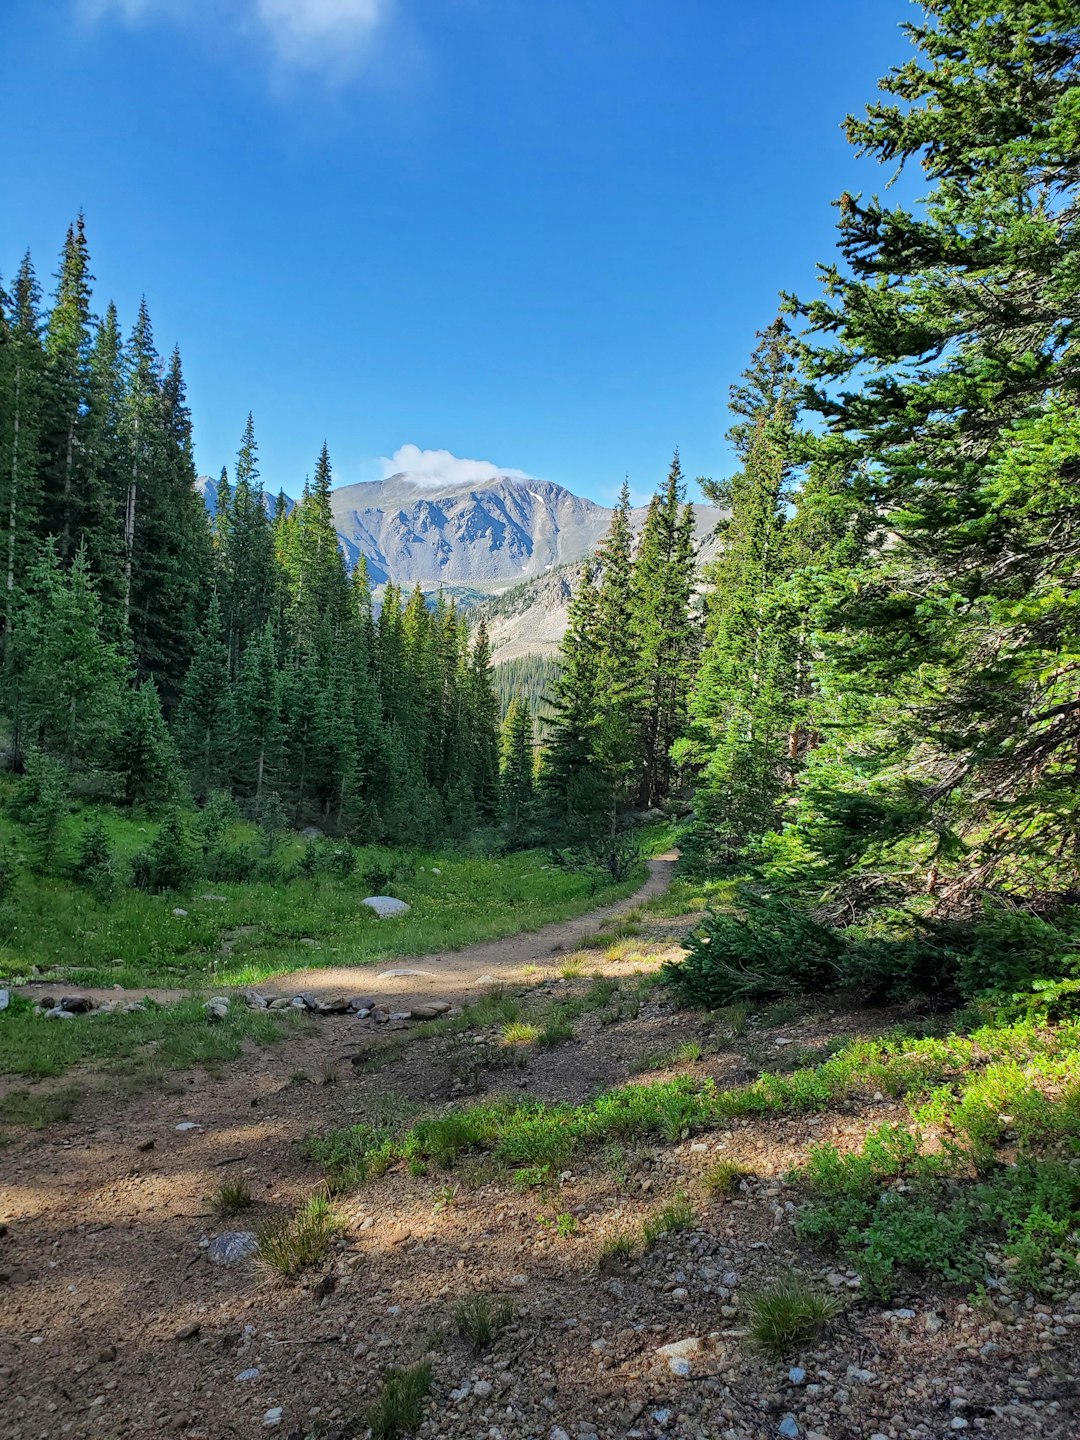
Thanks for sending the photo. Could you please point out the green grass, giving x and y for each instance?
(481, 1319)
(399, 1409)
(57, 928)
(787, 1314)
(155, 1038)
(231, 1197)
(677, 1215)
(38, 1110)
(296, 1242)
(520, 1032)
(722, 1178)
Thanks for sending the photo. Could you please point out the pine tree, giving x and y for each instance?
(205, 722)
(578, 794)
(145, 756)
(22, 371)
(664, 630)
(516, 771)
(943, 356)
(106, 471)
(619, 741)
(257, 741)
(69, 676)
(744, 700)
(68, 340)
(482, 719)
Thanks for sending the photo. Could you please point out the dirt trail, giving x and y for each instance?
(444, 975)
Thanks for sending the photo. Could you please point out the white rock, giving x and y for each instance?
(482, 1389)
(5, 999)
(251, 1374)
(188, 1125)
(407, 975)
(519, 1281)
(679, 1355)
(180, 914)
(386, 907)
(272, 1417)
(435, 870)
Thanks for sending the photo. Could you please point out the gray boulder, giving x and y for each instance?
(386, 907)
(232, 1247)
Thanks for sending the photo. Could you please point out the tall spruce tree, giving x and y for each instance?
(744, 700)
(68, 341)
(943, 357)
(205, 720)
(664, 631)
(22, 383)
(516, 771)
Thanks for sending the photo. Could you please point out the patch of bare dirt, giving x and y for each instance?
(114, 1325)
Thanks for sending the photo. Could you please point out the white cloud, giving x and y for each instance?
(309, 33)
(437, 467)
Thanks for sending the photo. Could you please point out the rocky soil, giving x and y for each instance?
(115, 1320)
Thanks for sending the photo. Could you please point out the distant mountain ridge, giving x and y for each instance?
(479, 537)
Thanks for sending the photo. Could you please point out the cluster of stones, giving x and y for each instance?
(68, 1006)
(363, 1007)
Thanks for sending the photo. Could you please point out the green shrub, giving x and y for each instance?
(42, 800)
(767, 950)
(170, 862)
(10, 866)
(96, 866)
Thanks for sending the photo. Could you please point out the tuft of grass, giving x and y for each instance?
(688, 1053)
(678, 1214)
(231, 1197)
(37, 1110)
(399, 1409)
(295, 1242)
(620, 1246)
(495, 1008)
(572, 969)
(557, 1031)
(722, 1178)
(481, 1319)
(520, 1032)
(735, 1018)
(787, 1313)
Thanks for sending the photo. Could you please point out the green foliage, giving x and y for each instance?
(766, 950)
(399, 1409)
(296, 1242)
(42, 802)
(787, 1314)
(96, 866)
(231, 1198)
(171, 862)
(481, 1319)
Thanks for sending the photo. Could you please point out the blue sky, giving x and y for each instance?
(540, 232)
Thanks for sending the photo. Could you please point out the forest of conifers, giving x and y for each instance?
(869, 702)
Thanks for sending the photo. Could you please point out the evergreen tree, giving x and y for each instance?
(744, 700)
(664, 631)
(481, 718)
(518, 792)
(145, 756)
(619, 739)
(578, 794)
(68, 340)
(943, 356)
(69, 676)
(205, 722)
(257, 742)
(106, 471)
(22, 386)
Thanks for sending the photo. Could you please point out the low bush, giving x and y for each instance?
(788, 1313)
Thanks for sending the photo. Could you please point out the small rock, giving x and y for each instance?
(558, 1433)
(797, 1375)
(188, 1125)
(254, 1001)
(251, 1374)
(59, 1013)
(272, 1417)
(107, 1356)
(933, 1323)
(386, 907)
(280, 1003)
(679, 1355)
(219, 899)
(789, 1426)
(482, 1389)
(76, 1004)
(435, 870)
(783, 1040)
(232, 1247)
(430, 1011)
(400, 1015)
(188, 1332)
(519, 1281)
(406, 975)
(958, 1423)
(861, 1377)
(217, 1008)
(5, 999)
(146, 1145)
(180, 914)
